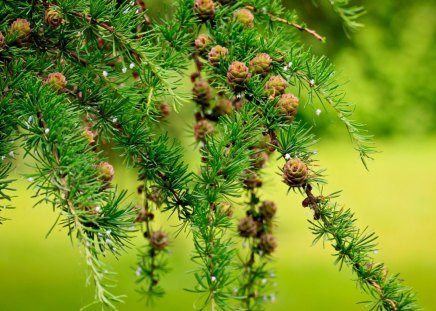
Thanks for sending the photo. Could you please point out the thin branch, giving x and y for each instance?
(285, 21)
(313, 202)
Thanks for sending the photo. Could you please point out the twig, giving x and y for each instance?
(285, 21)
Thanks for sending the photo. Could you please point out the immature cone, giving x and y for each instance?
(251, 181)
(143, 215)
(202, 42)
(260, 158)
(223, 107)
(268, 243)
(164, 110)
(266, 143)
(238, 74)
(216, 54)
(205, 9)
(158, 240)
(89, 136)
(261, 64)
(155, 195)
(57, 80)
(20, 29)
(268, 209)
(295, 173)
(106, 171)
(202, 92)
(275, 86)
(288, 106)
(2, 40)
(202, 128)
(247, 227)
(53, 17)
(245, 17)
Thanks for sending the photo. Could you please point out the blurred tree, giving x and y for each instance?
(384, 62)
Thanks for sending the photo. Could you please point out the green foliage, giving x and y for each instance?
(97, 78)
(353, 247)
(348, 13)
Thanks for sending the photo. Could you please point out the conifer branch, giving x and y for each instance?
(255, 275)
(152, 258)
(348, 13)
(7, 138)
(88, 209)
(353, 248)
(328, 91)
(224, 159)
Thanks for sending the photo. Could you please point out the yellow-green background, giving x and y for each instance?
(390, 65)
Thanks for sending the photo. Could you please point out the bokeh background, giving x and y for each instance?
(390, 66)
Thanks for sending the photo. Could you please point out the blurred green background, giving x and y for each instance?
(390, 65)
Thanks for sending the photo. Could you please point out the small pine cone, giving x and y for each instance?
(247, 227)
(295, 173)
(288, 106)
(155, 196)
(53, 17)
(143, 215)
(275, 86)
(202, 93)
(158, 240)
(268, 209)
(2, 40)
(223, 107)
(205, 9)
(216, 54)
(20, 29)
(202, 128)
(261, 64)
(268, 243)
(164, 110)
(89, 136)
(260, 158)
(266, 143)
(245, 17)
(251, 181)
(238, 74)
(202, 42)
(57, 80)
(106, 171)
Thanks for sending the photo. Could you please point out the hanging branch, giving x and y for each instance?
(353, 246)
